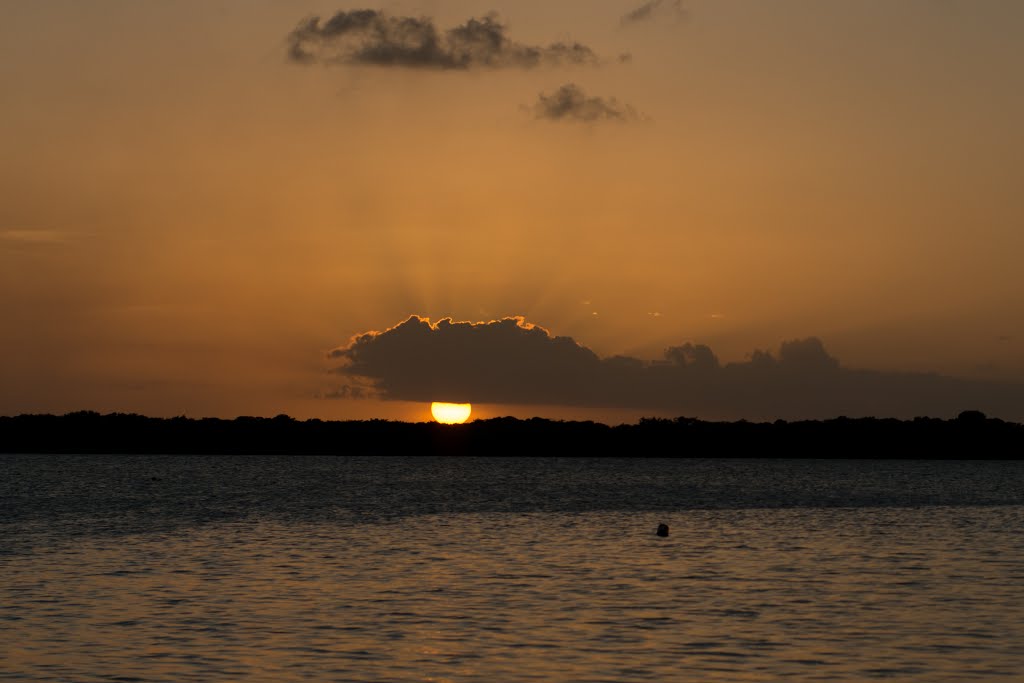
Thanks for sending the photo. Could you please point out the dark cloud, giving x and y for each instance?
(510, 361)
(695, 356)
(375, 38)
(570, 103)
(353, 391)
(652, 8)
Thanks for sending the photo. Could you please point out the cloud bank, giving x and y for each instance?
(375, 38)
(511, 361)
(571, 103)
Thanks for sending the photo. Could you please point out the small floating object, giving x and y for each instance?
(662, 530)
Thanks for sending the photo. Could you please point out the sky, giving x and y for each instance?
(580, 210)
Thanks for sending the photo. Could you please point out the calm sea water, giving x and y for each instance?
(403, 569)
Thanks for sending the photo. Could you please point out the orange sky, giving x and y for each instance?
(189, 222)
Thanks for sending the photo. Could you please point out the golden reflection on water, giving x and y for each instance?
(848, 595)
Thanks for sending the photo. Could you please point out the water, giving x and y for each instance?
(406, 569)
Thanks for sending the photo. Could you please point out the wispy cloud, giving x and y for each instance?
(376, 38)
(511, 361)
(571, 103)
(33, 236)
(652, 9)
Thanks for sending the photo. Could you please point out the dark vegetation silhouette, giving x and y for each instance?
(970, 435)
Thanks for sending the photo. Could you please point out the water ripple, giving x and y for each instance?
(786, 592)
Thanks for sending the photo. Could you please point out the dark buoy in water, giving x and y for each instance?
(662, 530)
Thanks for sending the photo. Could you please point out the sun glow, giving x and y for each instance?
(451, 413)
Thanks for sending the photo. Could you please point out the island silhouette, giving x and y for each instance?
(970, 435)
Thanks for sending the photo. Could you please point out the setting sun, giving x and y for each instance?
(451, 413)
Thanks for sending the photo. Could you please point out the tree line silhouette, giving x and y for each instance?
(970, 435)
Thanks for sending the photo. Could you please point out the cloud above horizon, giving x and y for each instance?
(371, 37)
(511, 361)
(651, 9)
(35, 236)
(571, 103)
